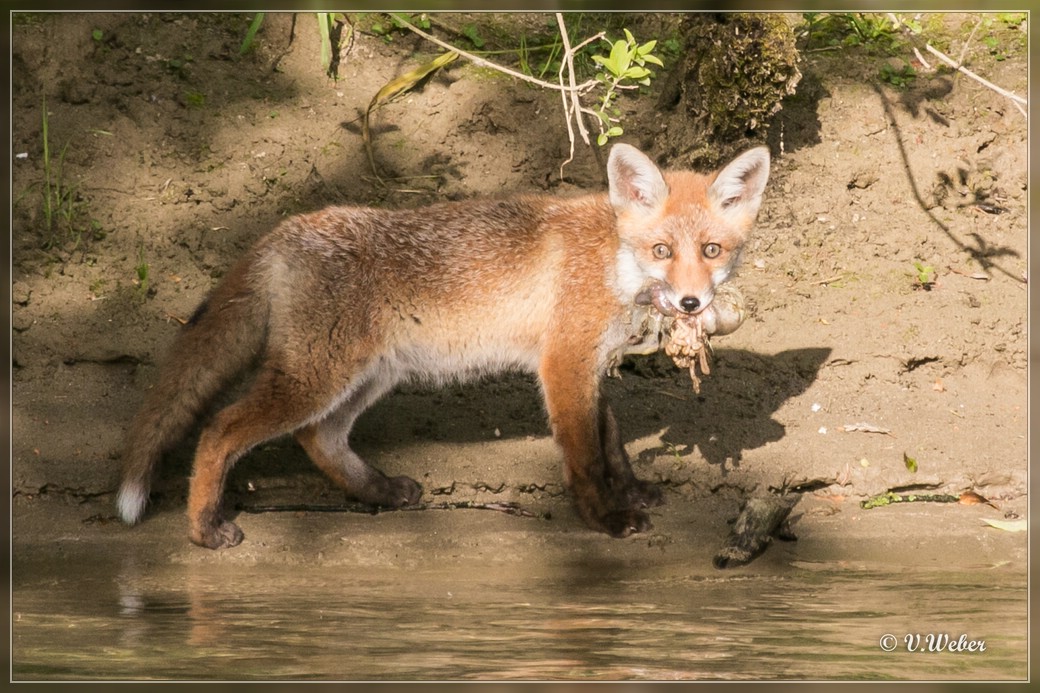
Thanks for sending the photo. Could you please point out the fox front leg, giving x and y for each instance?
(639, 493)
(598, 475)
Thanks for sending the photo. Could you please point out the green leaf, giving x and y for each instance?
(247, 42)
(629, 36)
(910, 462)
(646, 47)
(601, 139)
(97, 34)
(619, 58)
(654, 60)
(326, 41)
(637, 73)
(470, 32)
(614, 131)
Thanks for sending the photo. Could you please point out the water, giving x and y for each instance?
(205, 622)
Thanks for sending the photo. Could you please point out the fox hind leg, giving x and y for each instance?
(275, 405)
(232, 433)
(326, 443)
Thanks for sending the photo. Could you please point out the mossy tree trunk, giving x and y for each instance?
(735, 72)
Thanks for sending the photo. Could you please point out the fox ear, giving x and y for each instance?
(634, 179)
(737, 188)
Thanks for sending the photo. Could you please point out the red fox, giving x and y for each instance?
(335, 307)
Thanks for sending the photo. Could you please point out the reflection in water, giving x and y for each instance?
(207, 622)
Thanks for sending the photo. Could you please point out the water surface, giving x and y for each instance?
(204, 622)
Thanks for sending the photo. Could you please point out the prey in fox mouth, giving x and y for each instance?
(684, 336)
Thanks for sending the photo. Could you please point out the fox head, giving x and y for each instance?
(681, 232)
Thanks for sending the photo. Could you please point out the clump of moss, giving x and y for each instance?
(737, 70)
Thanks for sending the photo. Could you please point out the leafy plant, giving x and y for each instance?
(913, 24)
(626, 64)
(868, 28)
(470, 32)
(899, 76)
(420, 20)
(873, 32)
(1012, 18)
(672, 47)
(993, 44)
(925, 275)
(625, 67)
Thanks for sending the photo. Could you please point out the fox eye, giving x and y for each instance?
(662, 251)
(712, 250)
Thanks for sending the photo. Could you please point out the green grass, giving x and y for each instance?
(58, 198)
(64, 211)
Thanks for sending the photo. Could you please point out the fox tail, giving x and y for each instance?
(223, 337)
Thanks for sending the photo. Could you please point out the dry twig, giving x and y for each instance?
(570, 92)
(958, 65)
(1015, 98)
(574, 110)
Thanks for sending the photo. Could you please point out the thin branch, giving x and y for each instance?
(563, 96)
(920, 59)
(959, 65)
(964, 48)
(477, 60)
(570, 94)
(573, 110)
(960, 68)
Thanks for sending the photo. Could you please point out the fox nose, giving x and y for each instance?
(689, 303)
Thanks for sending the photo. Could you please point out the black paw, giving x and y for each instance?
(219, 535)
(623, 523)
(391, 492)
(404, 491)
(643, 494)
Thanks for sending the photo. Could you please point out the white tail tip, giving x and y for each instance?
(131, 502)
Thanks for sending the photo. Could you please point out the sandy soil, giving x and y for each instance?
(179, 153)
